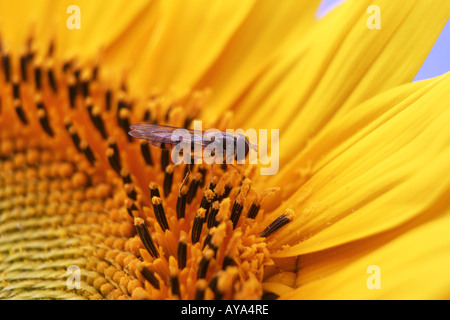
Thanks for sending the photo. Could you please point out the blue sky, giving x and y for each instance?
(438, 60)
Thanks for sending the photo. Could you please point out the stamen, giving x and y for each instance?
(193, 187)
(16, 90)
(87, 152)
(144, 234)
(150, 276)
(208, 196)
(181, 202)
(85, 85)
(131, 191)
(227, 261)
(197, 225)
(145, 150)
(116, 155)
(165, 157)
(159, 213)
(124, 123)
(98, 122)
(204, 263)
(213, 286)
(154, 191)
(43, 120)
(24, 68)
(239, 204)
(174, 281)
(112, 159)
(212, 215)
(51, 79)
(236, 213)
(125, 174)
(182, 251)
(168, 179)
(72, 87)
(74, 135)
(38, 77)
(108, 99)
(130, 206)
(253, 211)
(201, 287)
(6, 62)
(20, 112)
(279, 222)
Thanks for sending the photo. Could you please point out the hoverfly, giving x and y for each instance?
(167, 137)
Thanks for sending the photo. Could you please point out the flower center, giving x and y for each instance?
(76, 189)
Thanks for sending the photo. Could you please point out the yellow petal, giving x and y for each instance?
(339, 64)
(413, 265)
(100, 23)
(388, 171)
(272, 28)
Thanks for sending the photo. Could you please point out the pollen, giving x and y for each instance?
(77, 190)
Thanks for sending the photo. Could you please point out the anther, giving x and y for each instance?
(253, 211)
(213, 286)
(165, 157)
(131, 191)
(147, 116)
(182, 251)
(43, 120)
(236, 213)
(112, 159)
(85, 87)
(174, 281)
(6, 62)
(125, 174)
(87, 152)
(201, 287)
(197, 225)
(16, 90)
(239, 204)
(181, 202)
(193, 187)
(204, 263)
(206, 200)
(52, 80)
(168, 179)
(130, 206)
(212, 222)
(154, 191)
(95, 73)
(108, 99)
(98, 122)
(124, 122)
(227, 261)
(74, 135)
(24, 68)
(150, 277)
(146, 153)
(72, 88)
(38, 77)
(144, 234)
(159, 213)
(20, 112)
(279, 222)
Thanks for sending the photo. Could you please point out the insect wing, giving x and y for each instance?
(164, 134)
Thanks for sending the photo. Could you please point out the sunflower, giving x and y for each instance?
(363, 151)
